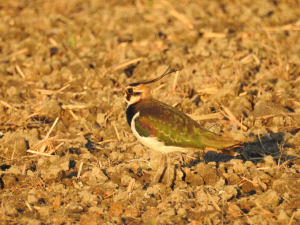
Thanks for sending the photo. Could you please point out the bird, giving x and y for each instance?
(166, 129)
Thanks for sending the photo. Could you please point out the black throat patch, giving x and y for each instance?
(130, 112)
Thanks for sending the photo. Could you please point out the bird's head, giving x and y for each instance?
(136, 92)
(139, 91)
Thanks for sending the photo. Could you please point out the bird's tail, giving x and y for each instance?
(220, 144)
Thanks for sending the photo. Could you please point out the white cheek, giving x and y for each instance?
(134, 99)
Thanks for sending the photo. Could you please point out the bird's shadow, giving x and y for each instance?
(255, 151)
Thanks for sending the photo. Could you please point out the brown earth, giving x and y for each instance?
(67, 153)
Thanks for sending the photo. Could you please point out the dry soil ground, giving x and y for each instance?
(67, 153)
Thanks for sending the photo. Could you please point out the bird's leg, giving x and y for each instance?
(162, 164)
(169, 182)
(171, 179)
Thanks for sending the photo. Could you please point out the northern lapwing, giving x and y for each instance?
(166, 129)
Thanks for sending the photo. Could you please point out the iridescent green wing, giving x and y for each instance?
(175, 128)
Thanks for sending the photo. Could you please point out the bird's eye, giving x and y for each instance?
(130, 90)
